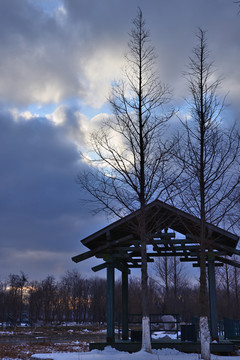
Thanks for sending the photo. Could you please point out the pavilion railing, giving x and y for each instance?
(156, 323)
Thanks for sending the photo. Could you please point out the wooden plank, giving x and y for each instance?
(133, 266)
(228, 261)
(212, 299)
(121, 267)
(215, 264)
(93, 252)
(140, 259)
(189, 259)
(228, 249)
(173, 242)
(110, 303)
(193, 238)
(163, 235)
(124, 306)
(99, 267)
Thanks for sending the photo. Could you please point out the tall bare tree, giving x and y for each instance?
(208, 153)
(17, 284)
(132, 161)
(237, 2)
(169, 275)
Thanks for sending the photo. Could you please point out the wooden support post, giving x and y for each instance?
(124, 305)
(212, 299)
(110, 303)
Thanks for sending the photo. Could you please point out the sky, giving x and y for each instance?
(58, 61)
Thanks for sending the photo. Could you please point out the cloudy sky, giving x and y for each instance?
(57, 61)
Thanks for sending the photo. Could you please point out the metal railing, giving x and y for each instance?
(155, 319)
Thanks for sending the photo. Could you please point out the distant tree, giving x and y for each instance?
(16, 288)
(163, 269)
(3, 301)
(236, 281)
(237, 2)
(133, 164)
(35, 302)
(48, 288)
(227, 280)
(208, 153)
(97, 297)
(134, 295)
(73, 285)
(170, 277)
(189, 304)
(224, 281)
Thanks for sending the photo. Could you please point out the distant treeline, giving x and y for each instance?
(76, 299)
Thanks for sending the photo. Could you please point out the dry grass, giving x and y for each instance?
(22, 343)
(24, 351)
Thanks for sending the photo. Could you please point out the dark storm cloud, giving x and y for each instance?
(42, 219)
(38, 57)
(173, 26)
(47, 56)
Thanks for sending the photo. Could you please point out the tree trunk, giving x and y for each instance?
(205, 338)
(203, 324)
(236, 289)
(146, 335)
(204, 328)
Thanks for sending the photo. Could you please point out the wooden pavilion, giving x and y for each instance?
(170, 232)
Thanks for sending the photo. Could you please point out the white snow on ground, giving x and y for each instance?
(112, 354)
(6, 332)
(163, 334)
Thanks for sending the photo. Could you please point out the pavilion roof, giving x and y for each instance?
(120, 240)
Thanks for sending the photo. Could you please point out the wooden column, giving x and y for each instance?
(110, 303)
(212, 299)
(124, 305)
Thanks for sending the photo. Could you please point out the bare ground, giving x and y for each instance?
(22, 343)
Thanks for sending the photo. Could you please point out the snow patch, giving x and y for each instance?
(163, 334)
(112, 354)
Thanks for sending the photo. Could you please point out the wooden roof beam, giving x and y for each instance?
(162, 235)
(99, 267)
(93, 252)
(155, 247)
(228, 249)
(215, 264)
(174, 242)
(189, 259)
(118, 265)
(228, 261)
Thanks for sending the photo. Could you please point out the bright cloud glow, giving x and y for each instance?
(100, 71)
(58, 117)
(26, 115)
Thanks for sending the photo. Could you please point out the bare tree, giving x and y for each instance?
(16, 284)
(35, 301)
(208, 154)
(74, 285)
(132, 161)
(228, 288)
(98, 299)
(236, 288)
(237, 2)
(163, 268)
(48, 288)
(225, 281)
(171, 278)
(3, 301)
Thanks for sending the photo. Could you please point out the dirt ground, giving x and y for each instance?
(23, 342)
